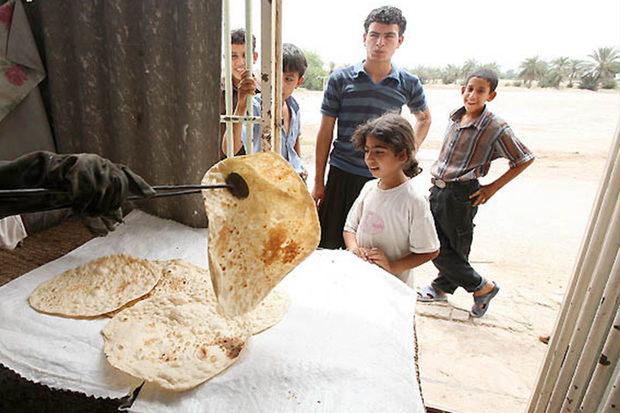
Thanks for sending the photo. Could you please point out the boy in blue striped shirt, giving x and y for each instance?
(354, 95)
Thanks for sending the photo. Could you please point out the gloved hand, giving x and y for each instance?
(95, 186)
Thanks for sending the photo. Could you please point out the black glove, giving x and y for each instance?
(95, 186)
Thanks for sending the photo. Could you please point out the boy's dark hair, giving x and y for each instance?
(237, 36)
(293, 59)
(396, 132)
(387, 15)
(486, 74)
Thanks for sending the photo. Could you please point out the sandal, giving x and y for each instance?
(481, 302)
(428, 295)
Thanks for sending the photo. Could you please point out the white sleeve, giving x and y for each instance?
(355, 213)
(422, 235)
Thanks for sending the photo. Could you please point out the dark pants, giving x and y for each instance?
(454, 220)
(341, 190)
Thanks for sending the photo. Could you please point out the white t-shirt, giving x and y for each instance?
(398, 221)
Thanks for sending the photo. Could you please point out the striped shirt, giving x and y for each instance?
(467, 151)
(353, 98)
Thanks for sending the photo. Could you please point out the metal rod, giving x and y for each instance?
(266, 74)
(228, 77)
(11, 193)
(277, 90)
(241, 119)
(605, 368)
(249, 59)
(596, 317)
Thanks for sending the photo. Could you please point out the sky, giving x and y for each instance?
(440, 32)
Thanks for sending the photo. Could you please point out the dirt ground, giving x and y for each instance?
(527, 239)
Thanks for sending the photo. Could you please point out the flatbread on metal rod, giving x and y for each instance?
(97, 287)
(254, 242)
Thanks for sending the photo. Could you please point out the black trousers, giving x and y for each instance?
(454, 220)
(341, 190)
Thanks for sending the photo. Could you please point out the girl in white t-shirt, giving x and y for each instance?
(390, 224)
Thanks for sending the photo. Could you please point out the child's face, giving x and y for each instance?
(290, 82)
(381, 41)
(476, 94)
(381, 159)
(237, 55)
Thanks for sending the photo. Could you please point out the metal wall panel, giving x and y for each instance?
(137, 81)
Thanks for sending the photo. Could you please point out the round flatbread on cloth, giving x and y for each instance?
(97, 287)
(174, 341)
(178, 276)
(255, 241)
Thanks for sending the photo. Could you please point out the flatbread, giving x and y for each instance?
(97, 287)
(174, 341)
(254, 242)
(178, 276)
(182, 276)
(268, 312)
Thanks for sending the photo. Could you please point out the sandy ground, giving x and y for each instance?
(527, 239)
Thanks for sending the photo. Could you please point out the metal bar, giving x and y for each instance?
(249, 59)
(598, 264)
(277, 99)
(590, 354)
(267, 67)
(610, 405)
(575, 294)
(605, 368)
(6, 193)
(167, 194)
(228, 77)
(241, 119)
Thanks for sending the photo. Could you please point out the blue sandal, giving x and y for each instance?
(481, 302)
(428, 295)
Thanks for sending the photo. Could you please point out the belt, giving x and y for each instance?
(439, 183)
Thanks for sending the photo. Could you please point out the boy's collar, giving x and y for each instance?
(359, 68)
(458, 114)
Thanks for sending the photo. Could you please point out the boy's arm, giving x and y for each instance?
(323, 143)
(421, 126)
(304, 173)
(247, 87)
(298, 146)
(487, 191)
(376, 256)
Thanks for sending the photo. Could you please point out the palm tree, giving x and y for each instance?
(532, 69)
(605, 63)
(560, 66)
(575, 70)
(469, 66)
(450, 74)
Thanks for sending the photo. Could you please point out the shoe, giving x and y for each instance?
(481, 302)
(428, 295)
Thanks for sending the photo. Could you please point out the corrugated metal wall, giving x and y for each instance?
(137, 81)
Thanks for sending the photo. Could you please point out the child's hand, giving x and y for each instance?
(247, 86)
(360, 252)
(483, 194)
(376, 256)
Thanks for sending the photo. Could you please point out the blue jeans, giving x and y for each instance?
(454, 220)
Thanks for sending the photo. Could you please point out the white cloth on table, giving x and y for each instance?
(345, 345)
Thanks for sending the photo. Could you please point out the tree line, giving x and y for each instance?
(598, 71)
